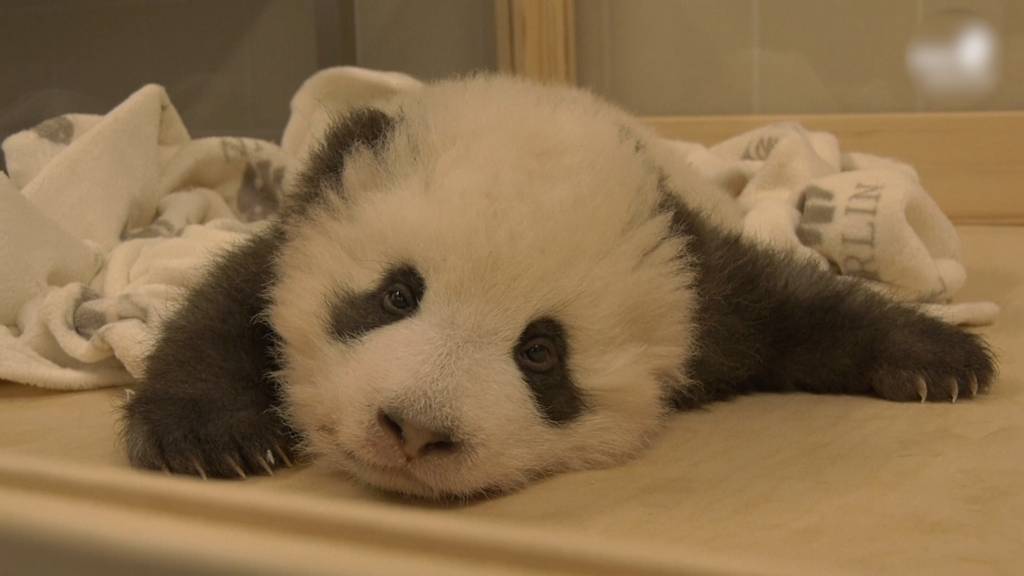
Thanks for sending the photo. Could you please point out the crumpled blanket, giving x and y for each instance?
(106, 220)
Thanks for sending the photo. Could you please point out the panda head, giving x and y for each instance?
(477, 288)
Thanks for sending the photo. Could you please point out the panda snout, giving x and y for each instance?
(415, 439)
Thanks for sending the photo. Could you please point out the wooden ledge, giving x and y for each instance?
(971, 162)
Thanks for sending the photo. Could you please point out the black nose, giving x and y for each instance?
(415, 439)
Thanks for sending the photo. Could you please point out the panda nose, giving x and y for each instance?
(414, 439)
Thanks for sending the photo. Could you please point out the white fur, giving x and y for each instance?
(513, 201)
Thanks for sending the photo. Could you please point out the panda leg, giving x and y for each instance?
(207, 405)
(767, 321)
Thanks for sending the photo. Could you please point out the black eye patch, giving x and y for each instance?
(542, 355)
(396, 296)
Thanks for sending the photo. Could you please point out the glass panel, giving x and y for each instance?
(230, 66)
(802, 56)
(428, 40)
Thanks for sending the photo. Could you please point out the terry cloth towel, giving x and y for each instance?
(861, 215)
(106, 220)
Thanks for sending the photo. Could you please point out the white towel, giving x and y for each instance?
(858, 214)
(105, 220)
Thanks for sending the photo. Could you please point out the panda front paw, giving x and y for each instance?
(930, 360)
(185, 435)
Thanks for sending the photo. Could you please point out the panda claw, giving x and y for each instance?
(198, 468)
(954, 390)
(922, 389)
(283, 455)
(263, 464)
(234, 466)
(972, 383)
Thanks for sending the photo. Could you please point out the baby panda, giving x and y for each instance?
(488, 281)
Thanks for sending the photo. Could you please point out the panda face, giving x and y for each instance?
(460, 314)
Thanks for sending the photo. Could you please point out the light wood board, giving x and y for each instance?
(971, 162)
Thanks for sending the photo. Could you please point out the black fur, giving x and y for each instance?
(769, 322)
(206, 404)
(554, 392)
(364, 127)
(355, 314)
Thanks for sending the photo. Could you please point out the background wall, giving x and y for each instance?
(232, 65)
(775, 56)
(229, 65)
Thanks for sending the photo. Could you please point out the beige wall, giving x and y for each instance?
(773, 56)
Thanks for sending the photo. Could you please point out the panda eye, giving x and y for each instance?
(399, 300)
(538, 355)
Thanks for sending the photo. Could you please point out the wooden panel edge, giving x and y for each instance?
(968, 161)
(365, 528)
(536, 39)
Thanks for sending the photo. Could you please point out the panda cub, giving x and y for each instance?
(488, 281)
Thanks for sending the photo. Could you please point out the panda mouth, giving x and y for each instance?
(400, 479)
(390, 478)
(358, 460)
(371, 470)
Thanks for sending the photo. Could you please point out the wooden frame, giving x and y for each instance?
(536, 39)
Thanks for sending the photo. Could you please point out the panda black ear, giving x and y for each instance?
(360, 129)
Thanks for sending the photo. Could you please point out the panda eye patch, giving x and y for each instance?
(542, 355)
(396, 296)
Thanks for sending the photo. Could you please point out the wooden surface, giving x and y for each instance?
(794, 484)
(971, 162)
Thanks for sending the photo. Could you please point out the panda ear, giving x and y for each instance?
(363, 131)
